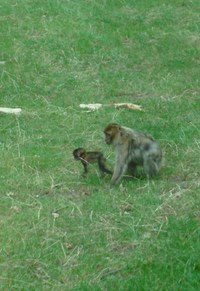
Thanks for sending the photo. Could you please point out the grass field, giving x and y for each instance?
(58, 230)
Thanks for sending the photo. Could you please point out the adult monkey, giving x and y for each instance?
(133, 148)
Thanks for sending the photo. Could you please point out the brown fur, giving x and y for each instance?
(87, 158)
(132, 149)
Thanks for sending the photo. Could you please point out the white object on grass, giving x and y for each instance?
(96, 106)
(16, 111)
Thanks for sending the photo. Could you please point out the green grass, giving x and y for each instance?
(58, 230)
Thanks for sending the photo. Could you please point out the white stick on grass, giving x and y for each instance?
(16, 111)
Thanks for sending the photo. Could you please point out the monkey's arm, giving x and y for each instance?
(120, 164)
(85, 164)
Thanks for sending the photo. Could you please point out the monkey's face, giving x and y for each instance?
(77, 153)
(111, 132)
(108, 138)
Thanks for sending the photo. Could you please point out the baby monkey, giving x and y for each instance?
(87, 158)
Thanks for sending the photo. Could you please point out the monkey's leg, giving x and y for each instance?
(102, 166)
(104, 170)
(107, 171)
(85, 168)
(151, 166)
(132, 168)
(120, 168)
